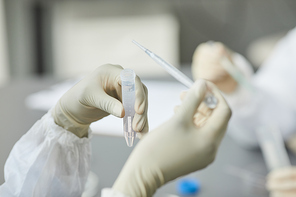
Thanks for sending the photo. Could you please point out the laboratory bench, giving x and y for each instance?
(234, 172)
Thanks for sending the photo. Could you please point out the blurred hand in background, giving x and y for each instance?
(206, 64)
(282, 182)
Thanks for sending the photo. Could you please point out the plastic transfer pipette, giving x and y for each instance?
(128, 99)
(210, 100)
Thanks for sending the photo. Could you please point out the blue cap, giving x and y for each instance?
(188, 186)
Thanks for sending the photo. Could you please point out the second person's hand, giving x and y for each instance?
(282, 182)
(206, 64)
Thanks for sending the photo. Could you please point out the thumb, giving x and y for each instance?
(193, 99)
(109, 105)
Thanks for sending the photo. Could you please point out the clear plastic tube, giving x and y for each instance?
(128, 99)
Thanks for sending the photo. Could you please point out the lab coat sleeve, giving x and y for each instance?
(273, 104)
(47, 161)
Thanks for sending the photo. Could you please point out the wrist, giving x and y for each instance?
(138, 181)
(63, 119)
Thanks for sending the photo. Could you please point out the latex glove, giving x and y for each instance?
(202, 113)
(177, 147)
(206, 65)
(282, 182)
(95, 97)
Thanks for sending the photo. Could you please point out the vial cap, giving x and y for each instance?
(127, 75)
(188, 186)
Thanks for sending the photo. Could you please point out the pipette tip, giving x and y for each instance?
(140, 46)
(129, 140)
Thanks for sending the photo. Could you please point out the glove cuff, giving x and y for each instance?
(63, 119)
(139, 181)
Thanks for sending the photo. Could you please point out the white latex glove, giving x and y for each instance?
(201, 115)
(97, 96)
(282, 182)
(206, 65)
(177, 147)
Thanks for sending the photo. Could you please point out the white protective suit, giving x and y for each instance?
(274, 104)
(33, 165)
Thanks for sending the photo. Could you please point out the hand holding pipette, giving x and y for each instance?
(177, 147)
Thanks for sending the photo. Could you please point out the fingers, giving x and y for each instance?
(204, 114)
(192, 101)
(199, 120)
(141, 96)
(144, 130)
(282, 185)
(217, 122)
(203, 109)
(282, 179)
(283, 173)
(206, 62)
(108, 104)
(140, 122)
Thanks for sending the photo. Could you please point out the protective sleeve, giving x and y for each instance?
(272, 105)
(47, 161)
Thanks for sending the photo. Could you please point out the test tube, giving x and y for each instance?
(128, 99)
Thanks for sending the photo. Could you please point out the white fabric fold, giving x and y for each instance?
(47, 161)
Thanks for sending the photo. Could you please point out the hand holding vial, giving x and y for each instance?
(97, 96)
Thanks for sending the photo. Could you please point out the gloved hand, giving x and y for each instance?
(201, 115)
(177, 147)
(282, 182)
(206, 64)
(97, 96)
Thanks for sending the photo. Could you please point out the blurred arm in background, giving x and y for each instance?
(274, 86)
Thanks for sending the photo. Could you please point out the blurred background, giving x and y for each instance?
(68, 38)
(44, 42)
